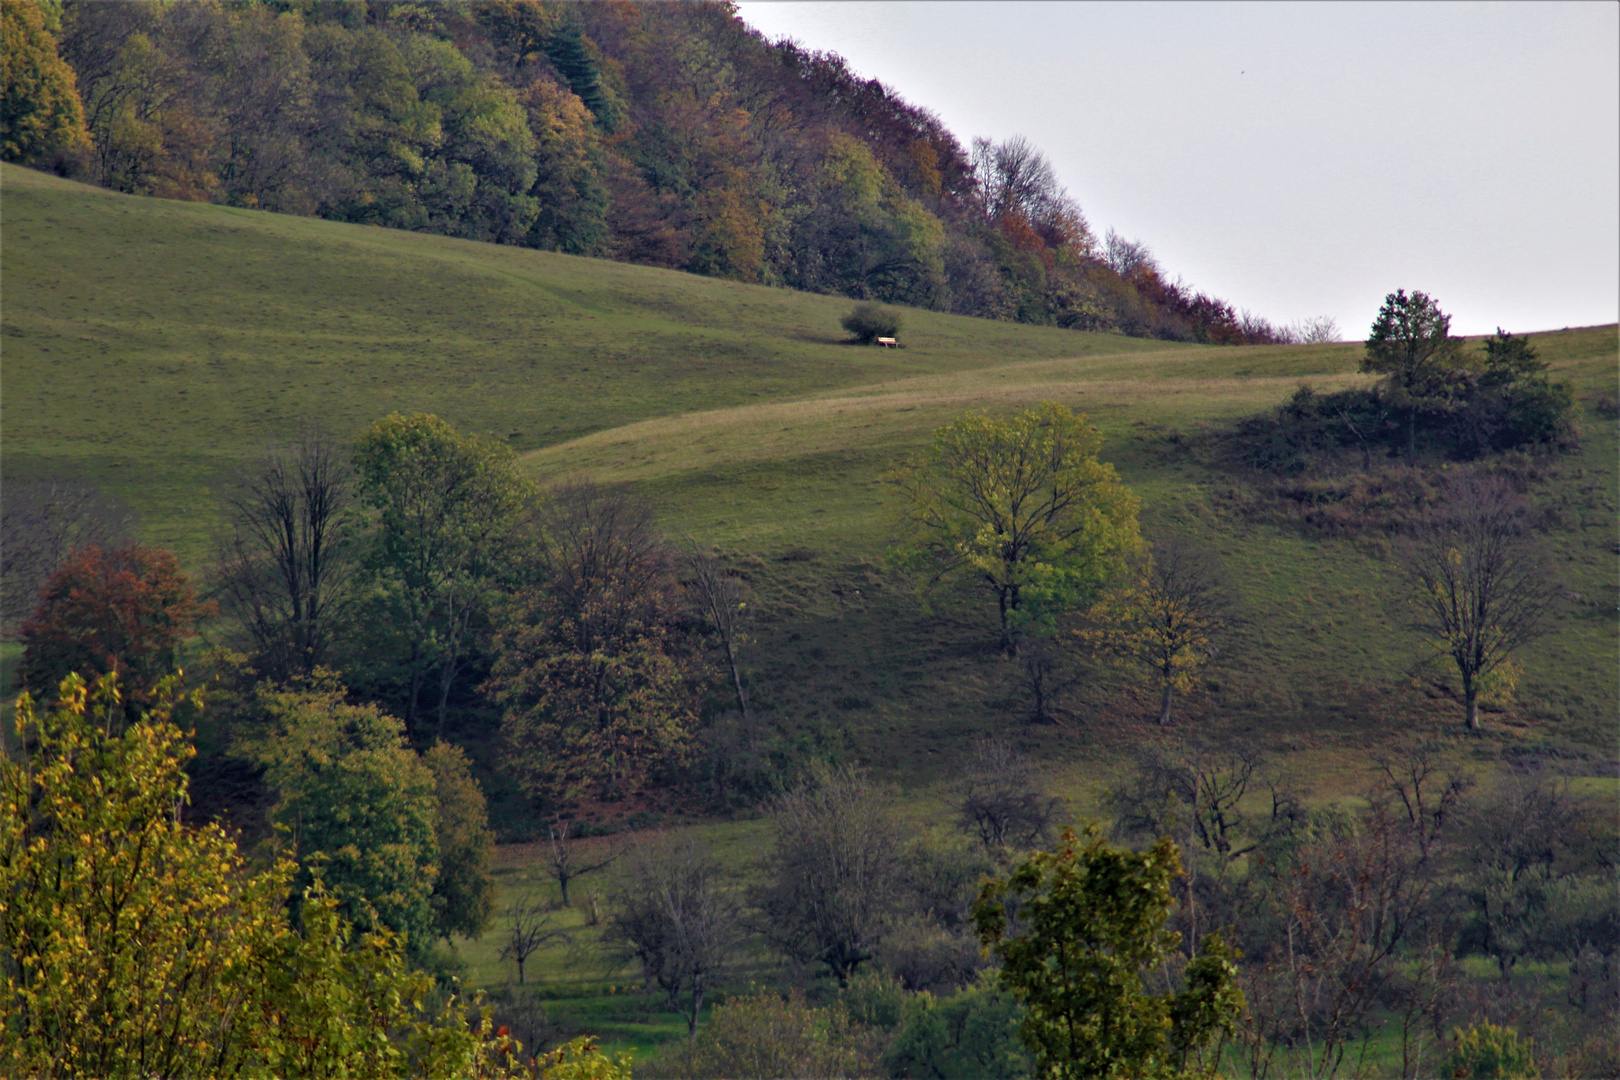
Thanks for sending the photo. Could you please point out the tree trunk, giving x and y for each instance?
(447, 679)
(697, 1007)
(1471, 703)
(1009, 647)
(418, 677)
(742, 701)
(1164, 705)
(1411, 435)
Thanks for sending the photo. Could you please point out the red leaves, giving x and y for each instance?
(125, 610)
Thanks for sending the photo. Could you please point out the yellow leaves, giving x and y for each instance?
(582, 1059)
(1163, 615)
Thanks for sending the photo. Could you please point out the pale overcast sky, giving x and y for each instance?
(1295, 159)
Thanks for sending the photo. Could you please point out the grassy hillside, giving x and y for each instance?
(150, 347)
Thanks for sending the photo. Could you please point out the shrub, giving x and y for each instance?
(868, 322)
(768, 1036)
(1488, 1052)
(971, 1033)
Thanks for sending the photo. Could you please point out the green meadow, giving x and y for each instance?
(151, 348)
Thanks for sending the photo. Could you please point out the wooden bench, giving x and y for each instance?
(888, 342)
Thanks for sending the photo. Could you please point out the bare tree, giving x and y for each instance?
(1127, 257)
(1014, 177)
(833, 877)
(1002, 799)
(1200, 792)
(286, 566)
(674, 914)
(566, 861)
(1477, 581)
(1016, 180)
(723, 599)
(1316, 330)
(528, 930)
(1346, 911)
(1045, 679)
(1426, 786)
(42, 522)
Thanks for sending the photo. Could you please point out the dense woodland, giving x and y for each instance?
(668, 135)
(251, 812)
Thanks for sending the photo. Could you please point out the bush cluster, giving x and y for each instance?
(868, 322)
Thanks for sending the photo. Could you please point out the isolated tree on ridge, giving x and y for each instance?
(1411, 345)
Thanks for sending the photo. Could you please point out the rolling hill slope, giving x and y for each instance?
(150, 347)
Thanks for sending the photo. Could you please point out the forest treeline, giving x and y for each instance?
(668, 135)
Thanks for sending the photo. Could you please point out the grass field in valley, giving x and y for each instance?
(151, 348)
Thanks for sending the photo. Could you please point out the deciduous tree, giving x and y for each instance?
(447, 509)
(463, 892)
(722, 598)
(41, 115)
(1165, 614)
(767, 1035)
(124, 611)
(42, 523)
(833, 874)
(1075, 930)
(287, 565)
(134, 945)
(357, 802)
(1020, 505)
(1003, 801)
(528, 930)
(593, 670)
(567, 860)
(674, 914)
(1477, 583)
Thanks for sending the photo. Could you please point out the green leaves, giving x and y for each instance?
(447, 510)
(358, 804)
(1075, 929)
(134, 945)
(1022, 506)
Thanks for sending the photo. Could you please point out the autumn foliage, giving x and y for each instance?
(670, 135)
(597, 683)
(133, 944)
(124, 611)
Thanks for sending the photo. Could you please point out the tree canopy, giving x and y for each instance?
(124, 611)
(132, 944)
(665, 134)
(41, 115)
(1076, 929)
(1021, 506)
(358, 805)
(446, 507)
